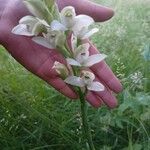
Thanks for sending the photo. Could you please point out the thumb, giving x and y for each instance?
(98, 12)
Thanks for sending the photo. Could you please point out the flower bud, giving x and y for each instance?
(61, 69)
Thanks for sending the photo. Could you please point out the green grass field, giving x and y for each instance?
(33, 116)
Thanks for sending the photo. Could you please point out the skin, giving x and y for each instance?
(39, 60)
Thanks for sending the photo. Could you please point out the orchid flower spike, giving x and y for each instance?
(30, 26)
(86, 80)
(82, 58)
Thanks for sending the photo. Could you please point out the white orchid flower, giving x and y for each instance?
(82, 58)
(52, 39)
(79, 24)
(61, 69)
(67, 21)
(86, 80)
(30, 26)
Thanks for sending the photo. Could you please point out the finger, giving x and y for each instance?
(105, 74)
(93, 99)
(105, 96)
(98, 12)
(51, 76)
(62, 87)
(108, 98)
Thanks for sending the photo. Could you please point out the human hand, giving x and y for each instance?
(39, 60)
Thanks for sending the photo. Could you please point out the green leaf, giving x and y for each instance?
(38, 9)
(134, 147)
(49, 3)
(130, 103)
(55, 12)
(52, 8)
(143, 99)
(127, 101)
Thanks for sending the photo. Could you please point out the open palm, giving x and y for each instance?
(39, 60)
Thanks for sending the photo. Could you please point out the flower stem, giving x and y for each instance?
(86, 127)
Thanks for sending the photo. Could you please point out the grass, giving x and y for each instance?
(34, 116)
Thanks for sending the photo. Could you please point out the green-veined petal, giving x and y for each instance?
(94, 59)
(90, 33)
(96, 86)
(73, 62)
(56, 25)
(21, 29)
(42, 41)
(74, 80)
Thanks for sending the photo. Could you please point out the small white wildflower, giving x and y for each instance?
(121, 31)
(136, 77)
(22, 116)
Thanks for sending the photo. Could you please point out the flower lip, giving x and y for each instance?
(68, 14)
(68, 11)
(87, 77)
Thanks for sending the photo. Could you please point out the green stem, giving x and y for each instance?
(64, 51)
(86, 127)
